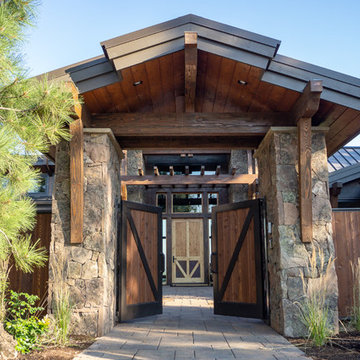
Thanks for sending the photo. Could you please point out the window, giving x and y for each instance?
(212, 200)
(187, 203)
(42, 186)
(161, 201)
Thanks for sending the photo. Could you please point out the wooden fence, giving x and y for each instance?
(346, 235)
(37, 282)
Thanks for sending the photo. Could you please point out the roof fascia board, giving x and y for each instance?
(178, 32)
(190, 19)
(345, 175)
(148, 54)
(299, 73)
(233, 53)
(317, 70)
(97, 82)
(298, 85)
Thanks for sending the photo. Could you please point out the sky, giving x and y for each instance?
(321, 32)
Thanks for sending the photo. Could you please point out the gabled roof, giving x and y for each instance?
(227, 56)
(216, 38)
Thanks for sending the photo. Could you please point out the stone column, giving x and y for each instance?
(87, 270)
(239, 161)
(132, 163)
(277, 158)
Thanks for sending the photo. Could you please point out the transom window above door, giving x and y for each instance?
(187, 203)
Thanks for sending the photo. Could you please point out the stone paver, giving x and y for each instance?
(188, 329)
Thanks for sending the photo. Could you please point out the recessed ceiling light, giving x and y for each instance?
(136, 83)
(242, 82)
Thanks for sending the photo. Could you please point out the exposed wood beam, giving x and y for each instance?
(189, 124)
(190, 70)
(199, 142)
(76, 181)
(189, 180)
(308, 103)
(182, 151)
(301, 113)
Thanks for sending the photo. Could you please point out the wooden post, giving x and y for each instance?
(305, 182)
(76, 181)
(301, 113)
(83, 117)
(190, 70)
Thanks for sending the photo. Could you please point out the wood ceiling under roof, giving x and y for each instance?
(225, 57)
(217, 88)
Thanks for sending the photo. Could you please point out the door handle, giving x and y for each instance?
(213, 263)
(174, 258)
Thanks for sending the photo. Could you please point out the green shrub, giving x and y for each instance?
(23, 323)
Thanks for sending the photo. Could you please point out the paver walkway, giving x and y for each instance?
(188, 329)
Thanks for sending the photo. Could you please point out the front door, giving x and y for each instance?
(187, 251)
(140, 261)
(236, 260)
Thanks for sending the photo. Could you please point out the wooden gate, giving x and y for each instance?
(236, 260)
(187, 251)
(141, 261)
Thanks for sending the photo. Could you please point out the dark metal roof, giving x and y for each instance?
(344, 158)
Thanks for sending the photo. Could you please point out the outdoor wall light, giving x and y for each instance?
(136, 83)
(242, 82)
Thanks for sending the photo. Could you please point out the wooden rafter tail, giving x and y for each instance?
(190, 39)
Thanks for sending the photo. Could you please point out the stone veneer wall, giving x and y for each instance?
(88, 269)
(238, 160)
(287, 256)
(133, 162)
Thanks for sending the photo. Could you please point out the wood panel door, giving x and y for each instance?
(141, 263)
(236, 260)
(187, 251)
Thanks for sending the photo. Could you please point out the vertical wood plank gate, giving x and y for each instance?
(237, 259)
(141, 261)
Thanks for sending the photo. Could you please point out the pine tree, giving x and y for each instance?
(34, 114)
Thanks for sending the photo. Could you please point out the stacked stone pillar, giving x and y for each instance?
(87, 270)
(277, 158)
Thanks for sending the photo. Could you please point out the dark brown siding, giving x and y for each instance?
(37, 282)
